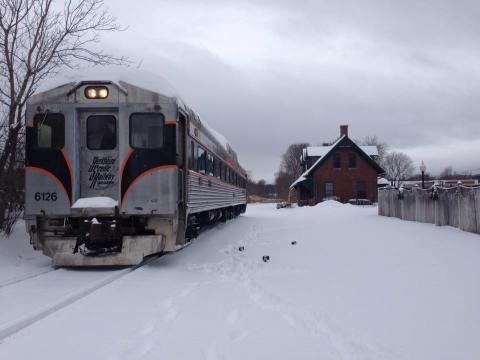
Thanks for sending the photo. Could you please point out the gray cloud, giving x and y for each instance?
(272, 73)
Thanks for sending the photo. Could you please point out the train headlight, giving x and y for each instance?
(102, 93)
(96, 92)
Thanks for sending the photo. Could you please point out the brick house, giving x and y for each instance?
(341, 171)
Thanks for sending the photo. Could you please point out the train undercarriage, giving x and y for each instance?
(117, 240)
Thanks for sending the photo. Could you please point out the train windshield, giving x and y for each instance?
(49, 131)
(146, 130)
(101, 132)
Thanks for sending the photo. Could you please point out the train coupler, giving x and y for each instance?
(99, 237)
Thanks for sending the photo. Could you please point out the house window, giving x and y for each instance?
(352, 161)
(361, 190)
(329, 190)
(336, 161)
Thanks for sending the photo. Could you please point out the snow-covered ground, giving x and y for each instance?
(17, 258)
(354, 286)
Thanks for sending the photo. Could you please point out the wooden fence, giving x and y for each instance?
(458, 206)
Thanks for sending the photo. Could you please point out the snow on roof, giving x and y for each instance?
(383, 181)
(370, 150)
(114, 73)
(304, 175)
(222, 140)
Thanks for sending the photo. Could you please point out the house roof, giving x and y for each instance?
(383, 181)
(344, 139)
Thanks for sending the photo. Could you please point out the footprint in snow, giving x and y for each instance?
(148, 329)
(171, 314)
(232, 317)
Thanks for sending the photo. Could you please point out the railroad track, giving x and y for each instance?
(24, 278)
(14, 326)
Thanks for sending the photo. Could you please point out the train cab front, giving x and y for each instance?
(101, 179)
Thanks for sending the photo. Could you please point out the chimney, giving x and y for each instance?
(343, 130)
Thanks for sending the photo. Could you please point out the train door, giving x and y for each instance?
(99, 154)
(183, 175)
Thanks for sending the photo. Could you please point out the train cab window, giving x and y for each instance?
(146, 130)
(201, 160)
(49, 131)
(101, 132)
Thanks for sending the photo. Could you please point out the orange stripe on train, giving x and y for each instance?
(142, 175)
(53, 177)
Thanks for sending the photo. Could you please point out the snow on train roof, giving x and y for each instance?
(220, 139)
(136, 77)
(114, 73)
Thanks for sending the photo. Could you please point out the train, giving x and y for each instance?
(118, 167)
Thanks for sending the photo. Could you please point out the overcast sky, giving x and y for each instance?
(270, 73)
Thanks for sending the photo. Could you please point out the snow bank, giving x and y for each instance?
(18, 259)
(331, 204)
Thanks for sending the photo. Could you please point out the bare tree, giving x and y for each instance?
(37, 39)
(290, 168)
(398, 167)
(446, 173)
(282, 184)
(375, 141)
(256, 188)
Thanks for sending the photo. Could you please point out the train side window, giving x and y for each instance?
(201, 160)
(101, 132)
(49, 131)
(191, 156)
(210, 164)
(218, 168)
(146, 130)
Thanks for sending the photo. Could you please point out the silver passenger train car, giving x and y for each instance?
(116, 172)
